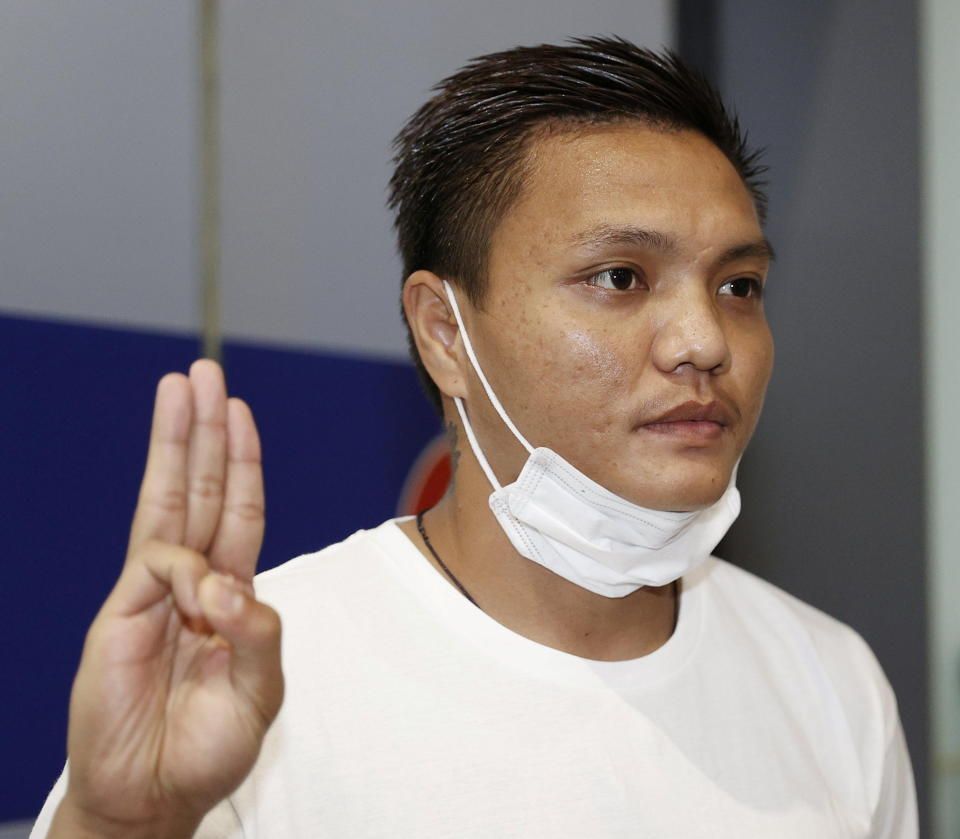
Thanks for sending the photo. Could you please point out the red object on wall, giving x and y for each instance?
(427, 479)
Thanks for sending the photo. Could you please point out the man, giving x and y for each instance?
(550, 651)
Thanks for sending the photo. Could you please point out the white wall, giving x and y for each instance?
(97, 161)
(313, 93)
(98, 155)
(15, 830)
(941, 170)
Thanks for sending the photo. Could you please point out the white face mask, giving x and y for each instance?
(560, 518)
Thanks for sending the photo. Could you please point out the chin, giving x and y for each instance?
(681, 492)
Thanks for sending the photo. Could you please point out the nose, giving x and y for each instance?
(690, 335)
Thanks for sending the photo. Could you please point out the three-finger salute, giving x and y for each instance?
(180, 675)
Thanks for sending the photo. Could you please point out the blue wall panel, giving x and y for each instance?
(338, 433)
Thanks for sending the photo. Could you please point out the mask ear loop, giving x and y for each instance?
(476, 366)
(475, 446)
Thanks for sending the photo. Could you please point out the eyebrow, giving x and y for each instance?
(761, 249)
(606, 236)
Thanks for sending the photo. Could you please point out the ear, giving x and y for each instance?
(435, 331)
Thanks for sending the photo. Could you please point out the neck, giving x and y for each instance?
(527, 598)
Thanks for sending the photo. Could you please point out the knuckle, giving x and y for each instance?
(95, 636)
(206, 486)
(215, 424)
(152, 547)
(248, 511)
(273, 626)
(155, 550)
(167, 500)
(266, 627)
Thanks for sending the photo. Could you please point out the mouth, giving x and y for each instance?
(691, 422)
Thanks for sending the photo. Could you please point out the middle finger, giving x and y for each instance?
(207, 454)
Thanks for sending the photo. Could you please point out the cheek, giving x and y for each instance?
(595, 358)
(756, 367)
(583, 375)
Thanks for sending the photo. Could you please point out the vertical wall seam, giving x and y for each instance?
(940, 174)
(209, 234)
(697, 35)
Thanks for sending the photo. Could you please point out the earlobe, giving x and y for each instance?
(434, 331)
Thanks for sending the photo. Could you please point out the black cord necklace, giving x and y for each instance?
(440, 562)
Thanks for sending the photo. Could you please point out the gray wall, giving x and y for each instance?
(313, 94)
(833, 484)
(98, 161)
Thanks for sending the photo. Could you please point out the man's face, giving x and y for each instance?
(623, 325)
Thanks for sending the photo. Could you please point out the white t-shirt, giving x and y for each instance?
(411, 713)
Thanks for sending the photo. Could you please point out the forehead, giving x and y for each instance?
(629, 174)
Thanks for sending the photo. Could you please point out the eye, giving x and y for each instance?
(616, 279)
(742, 287)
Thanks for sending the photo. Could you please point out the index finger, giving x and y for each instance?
(161, 512)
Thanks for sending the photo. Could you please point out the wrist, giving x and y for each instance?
(73, 821)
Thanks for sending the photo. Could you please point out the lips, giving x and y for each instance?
(714, 412)
(692, 422)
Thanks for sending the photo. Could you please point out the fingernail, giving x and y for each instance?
(229, 597)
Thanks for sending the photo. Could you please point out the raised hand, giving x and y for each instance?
(180, 675)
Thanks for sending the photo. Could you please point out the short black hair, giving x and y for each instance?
(460, 158)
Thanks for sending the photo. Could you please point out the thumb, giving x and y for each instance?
(252, 629)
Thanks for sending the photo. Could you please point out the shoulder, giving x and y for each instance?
(350, 563)
(823, 673)
(821, 658)
(754, 598)
(779, 620)
(355, 590)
